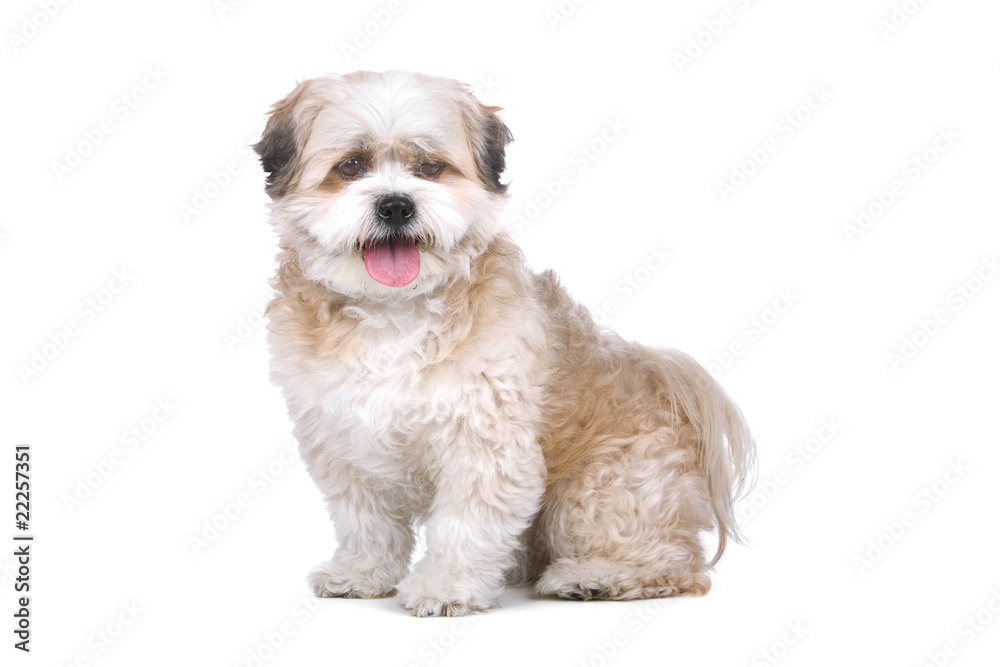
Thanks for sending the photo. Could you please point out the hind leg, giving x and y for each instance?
(624, 524)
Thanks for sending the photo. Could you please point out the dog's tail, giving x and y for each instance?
(726, 449)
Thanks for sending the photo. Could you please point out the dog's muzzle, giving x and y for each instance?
(393, 259)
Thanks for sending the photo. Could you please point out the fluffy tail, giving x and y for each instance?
(726, 449)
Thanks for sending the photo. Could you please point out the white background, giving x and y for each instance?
(185, 330)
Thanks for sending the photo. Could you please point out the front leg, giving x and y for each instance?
(374, 540)
(489, 486)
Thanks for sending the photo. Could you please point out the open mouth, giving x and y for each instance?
(394, 262)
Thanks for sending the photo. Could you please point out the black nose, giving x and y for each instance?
(395, 209)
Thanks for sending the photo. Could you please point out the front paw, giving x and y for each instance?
(333, 580)
(438, 594)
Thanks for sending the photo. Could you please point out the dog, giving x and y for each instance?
(434, 380)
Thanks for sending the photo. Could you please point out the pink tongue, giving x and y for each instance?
(392, 264)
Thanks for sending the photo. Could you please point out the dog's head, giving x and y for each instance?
(384, 184)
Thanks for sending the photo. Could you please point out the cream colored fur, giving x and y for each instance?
(479, 401)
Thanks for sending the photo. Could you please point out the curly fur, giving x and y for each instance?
(480, 401)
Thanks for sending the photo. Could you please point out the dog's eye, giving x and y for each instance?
(430, 169)
(351, 168)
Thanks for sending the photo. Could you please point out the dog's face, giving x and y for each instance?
(384, 184)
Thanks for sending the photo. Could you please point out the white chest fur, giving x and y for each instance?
(390, 407)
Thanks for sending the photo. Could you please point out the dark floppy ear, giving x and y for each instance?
(489, 137)
(281, 142)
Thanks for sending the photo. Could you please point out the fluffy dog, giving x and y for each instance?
(434, 379)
